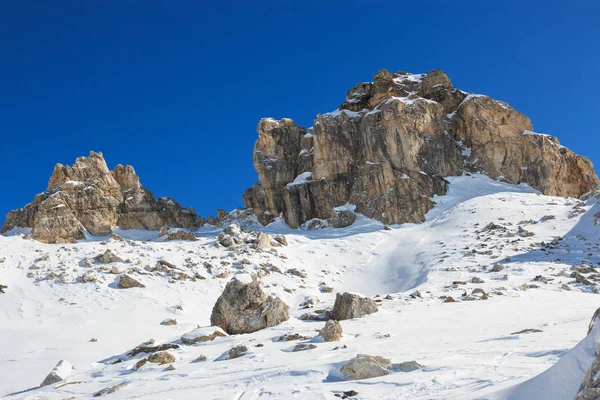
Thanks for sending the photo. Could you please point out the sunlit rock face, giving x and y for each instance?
(388, 147)
(87, 196)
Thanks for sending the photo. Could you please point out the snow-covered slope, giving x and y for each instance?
(504, 236)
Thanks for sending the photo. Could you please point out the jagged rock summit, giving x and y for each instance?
(386, 149)
(89, 197)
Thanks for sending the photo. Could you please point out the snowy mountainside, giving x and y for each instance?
(511, 259)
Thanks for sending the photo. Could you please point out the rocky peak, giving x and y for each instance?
(85, 169)
(126, 177)
(87, 196)
(388, 146)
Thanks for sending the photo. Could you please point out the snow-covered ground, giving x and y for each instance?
(468, 348)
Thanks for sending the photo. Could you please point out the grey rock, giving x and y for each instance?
(127, 282)
(364, 366)
(61, 371)
(407, 366)
(235, 352)
(245, 308)
(348, 306)
(161, 357)
(303, 347)
(342, 219)
(332, 331)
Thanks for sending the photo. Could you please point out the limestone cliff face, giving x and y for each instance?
(89, 196)
(389, 145)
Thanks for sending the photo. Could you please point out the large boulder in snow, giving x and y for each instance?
(90, 197)
(364, 366)
(349, 305)
(244, 308)
(62, 371)
(387, 147)
(331, 332)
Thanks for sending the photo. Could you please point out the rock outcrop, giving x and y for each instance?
(389, 145)
(90, 197)
(244, 308)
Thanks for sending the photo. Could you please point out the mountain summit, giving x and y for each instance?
(388, 147)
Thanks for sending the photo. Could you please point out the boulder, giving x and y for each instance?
(108, 257)
(331, 332)
(235, 352)
(244, 308)
(148, 348)
(364, 366)
(348, 306)
(62, 371)
(127, 282)
(303, 347)
(182, 235)
(200, 335)
(161, 357)
(342, 219)
(110, 390)
(281, 240)
(406, 366)
(263, 241)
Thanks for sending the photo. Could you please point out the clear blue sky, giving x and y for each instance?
(176, 88)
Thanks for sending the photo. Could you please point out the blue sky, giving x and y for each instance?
(176, 88)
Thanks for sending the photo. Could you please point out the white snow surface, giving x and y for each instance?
(467, 348)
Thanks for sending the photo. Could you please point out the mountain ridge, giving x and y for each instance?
(384, 153)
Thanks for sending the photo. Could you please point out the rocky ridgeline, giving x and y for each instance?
(388, 147)
(384, 153)
(90, 197)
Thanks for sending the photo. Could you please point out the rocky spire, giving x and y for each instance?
(389, 145)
